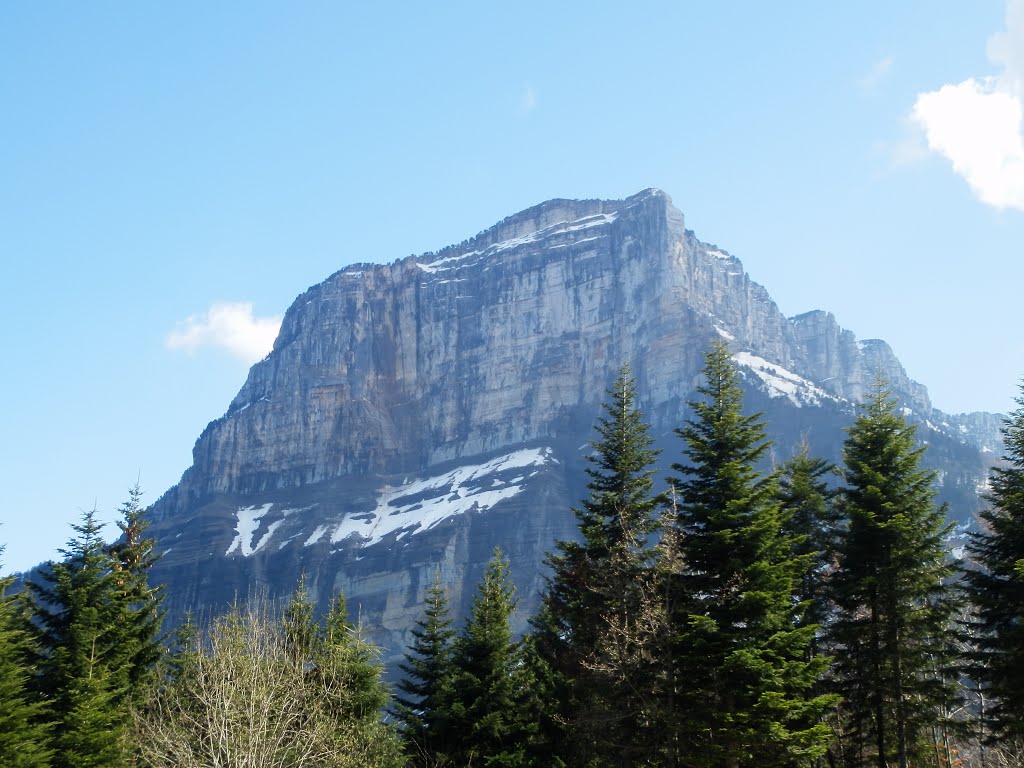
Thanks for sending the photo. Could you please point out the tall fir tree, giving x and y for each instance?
(893, 638)
(592, 605)
(355, 663)
(545, 730)
(996, 588)
(137, 603)
(811, 520)
(24, 730)
(298, 622)
(490, 685)
(421, 705)
(347, 669)
(740, 648)
(82, 669)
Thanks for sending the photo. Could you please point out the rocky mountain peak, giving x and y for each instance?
(413, 415)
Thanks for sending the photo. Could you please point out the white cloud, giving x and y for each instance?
(978, 125)
(230, 326)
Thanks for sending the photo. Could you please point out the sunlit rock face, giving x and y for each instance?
(413, 416)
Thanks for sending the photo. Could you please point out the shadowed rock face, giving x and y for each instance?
(413, 416)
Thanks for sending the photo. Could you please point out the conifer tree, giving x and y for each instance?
(24, 733)
(421, 706)
(82, 664)
(92, 731)
(298, 622)
(138, 605)
(811, 521)
(354, 663)
(996, 588)
(594, 595)
(346, 668)
(545, 731)
(96, 623)
(739, 650)
(489, 685)
(893, 635)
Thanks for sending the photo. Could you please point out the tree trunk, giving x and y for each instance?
(901, 708)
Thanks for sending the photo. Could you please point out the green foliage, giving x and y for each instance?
(351, 665)
(893, 635)
(488, 690)
(545, 731)
(557, 722)
(740, 649)
(24, 733)
(138, 606)
(594, 599)
(96, 625)
(996, 588)
(300, 631)
(84, 671)
(91, 734)
(421, 707)
(811, 521)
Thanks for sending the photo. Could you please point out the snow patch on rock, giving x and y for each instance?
(779, 382)
(247, 524)
(419, 505)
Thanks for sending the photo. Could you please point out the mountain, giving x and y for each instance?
(412, 416)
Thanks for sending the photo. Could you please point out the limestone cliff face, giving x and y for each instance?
(391, 368)
(847, 367)
(412, 416)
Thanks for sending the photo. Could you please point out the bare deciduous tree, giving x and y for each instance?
(244, 699)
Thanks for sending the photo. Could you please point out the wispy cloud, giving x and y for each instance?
(878, 73)
(528, 99)
(978, 124)
(228, 326)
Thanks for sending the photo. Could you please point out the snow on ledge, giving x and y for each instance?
(419, 505)
(780, 382)
(247, 522)
(409, 508)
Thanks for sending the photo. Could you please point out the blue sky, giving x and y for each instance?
(173, 175)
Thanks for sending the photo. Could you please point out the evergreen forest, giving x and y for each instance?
(743, 612)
